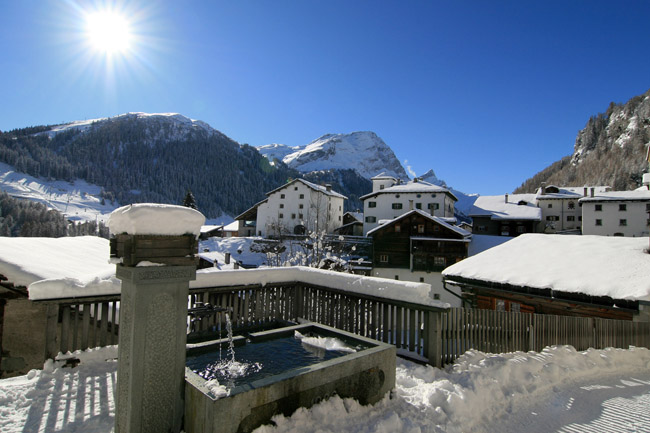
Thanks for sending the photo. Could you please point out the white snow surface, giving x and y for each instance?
(592, 265)
(78, 260)
(497, 208)
(78, 200)
(558, 389)
(641, 194)
(156, 219)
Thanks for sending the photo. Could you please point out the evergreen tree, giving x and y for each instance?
(189, 200)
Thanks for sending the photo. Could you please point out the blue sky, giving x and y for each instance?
(484, 93)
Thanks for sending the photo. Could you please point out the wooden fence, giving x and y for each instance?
(418, 331)
(497, 332)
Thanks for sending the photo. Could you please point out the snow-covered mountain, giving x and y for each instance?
(363, 152)
(465, 201)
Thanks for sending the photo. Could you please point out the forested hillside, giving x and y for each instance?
(152, 159)
(611, 150)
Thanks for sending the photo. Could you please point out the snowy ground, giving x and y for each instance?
(558, 389)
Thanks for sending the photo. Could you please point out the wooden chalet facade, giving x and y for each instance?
(419, 242)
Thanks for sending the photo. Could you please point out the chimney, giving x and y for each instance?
(543, 188)
(410, 204)
(328, 187)
(227, 258)
(585, 193)
(415, 180)
(506, 198)
(591, 192)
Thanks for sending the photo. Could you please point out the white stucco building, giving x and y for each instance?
(616, 213)
(560, 206)
(297, 207)
(391, 198)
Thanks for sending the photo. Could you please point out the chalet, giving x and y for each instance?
(391, 198)
(616, 213)
(417, 246)
(505, 215)
(297, 207)
(588, 276)
(352, 224)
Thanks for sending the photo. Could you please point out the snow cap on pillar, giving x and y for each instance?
(155, 219)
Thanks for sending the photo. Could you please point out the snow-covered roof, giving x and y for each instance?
(592, 265)
(232, 227)
(441, 221)
(636, 195)
(569, 191)
(155, 219)
(311, 185)
(27, 260)
(411, 187)
(507, 207)
(209, 228)
(356, 215)
(383, 175)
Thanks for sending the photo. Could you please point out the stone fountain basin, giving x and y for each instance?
(366, 375)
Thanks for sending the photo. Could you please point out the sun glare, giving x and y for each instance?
(108, 32)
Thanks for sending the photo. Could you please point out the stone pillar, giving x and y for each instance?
(155, 247)
(151, 354)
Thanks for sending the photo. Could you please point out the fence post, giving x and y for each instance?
(298, 306)
(433, 338)
(531, 333)
(51, 340)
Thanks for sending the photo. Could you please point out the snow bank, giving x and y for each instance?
(593, 265)
(155, 219)
(381, 287)
(479, 390)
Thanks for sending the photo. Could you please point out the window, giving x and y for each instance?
(302, 196)
(579, 218)
(550, 205)
(552, 218)
(571, 205)
(433, 195)
(599, 222)
(281, 205)
(439, 261)
(372, 204)
(434, 206)
(397, 277)
(339, 207)
(622, 222)
(397, 205)
(371, 219)
(280, 215)
(398, 228)
(521, 229)
(293, 216)
(381, 186)
(599, 207)
(622, 207)
(420, 228)
(300, 216)
(418, 195)
(396, 195)
(418, 205)
(281, 195)
(300, 206)
(295, 188)
(383, 258)
(422, 279)
(482, 228)
(339, 217)
(436, 296)
(570, 218)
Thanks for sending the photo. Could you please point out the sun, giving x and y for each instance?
(108, 32)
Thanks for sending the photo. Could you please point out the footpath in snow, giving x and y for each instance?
(558, 389)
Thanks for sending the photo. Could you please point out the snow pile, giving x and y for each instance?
(480, 393)
(477, 391)
(594, 265)
(324, 343)
(156, 219)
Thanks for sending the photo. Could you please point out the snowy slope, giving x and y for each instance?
(363, 152)
(77, 201)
